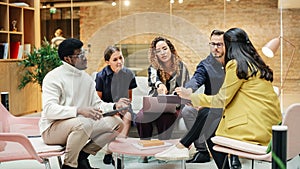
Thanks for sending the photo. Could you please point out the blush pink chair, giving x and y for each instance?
(20, 140)
(256, 152)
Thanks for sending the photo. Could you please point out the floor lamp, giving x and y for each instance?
(269, 50)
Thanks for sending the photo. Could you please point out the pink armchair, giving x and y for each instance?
(20, 140)
(257, 152)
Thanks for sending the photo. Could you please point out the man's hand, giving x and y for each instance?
(183, 92)
(90, 112)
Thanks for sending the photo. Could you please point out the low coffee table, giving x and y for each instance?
(124, 146)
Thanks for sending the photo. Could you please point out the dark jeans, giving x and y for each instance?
(204, 127)
(164, 123)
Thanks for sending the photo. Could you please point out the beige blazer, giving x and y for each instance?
(250, 106)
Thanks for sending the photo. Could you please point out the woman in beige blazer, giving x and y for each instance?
(250, 104)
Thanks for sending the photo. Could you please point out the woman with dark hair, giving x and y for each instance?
(165, 73)
(247, 97)
(114, 83)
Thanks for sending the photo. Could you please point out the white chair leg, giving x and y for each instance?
(122, 161)
(183, 164)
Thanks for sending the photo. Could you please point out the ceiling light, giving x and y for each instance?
(126, 2)
(172, 1)
(113, 3)
(44, 5)
(180, 1)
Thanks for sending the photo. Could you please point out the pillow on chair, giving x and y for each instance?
(239, 145)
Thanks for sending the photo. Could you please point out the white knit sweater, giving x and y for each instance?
(64, 90)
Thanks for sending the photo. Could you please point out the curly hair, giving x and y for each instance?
(157, 64)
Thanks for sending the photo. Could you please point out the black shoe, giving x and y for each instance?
(143, 159)
(235, 162)
(107, 159)
(85, 164)
(200, 157)
(66, 167)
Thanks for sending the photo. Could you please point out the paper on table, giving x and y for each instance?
(136, 145)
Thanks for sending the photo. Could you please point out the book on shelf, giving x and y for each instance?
(20, 52)
(3, 50)
(14, 49)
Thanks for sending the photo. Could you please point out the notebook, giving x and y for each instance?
(151, 105)
(174, 99)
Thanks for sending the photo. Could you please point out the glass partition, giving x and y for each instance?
(186, 23)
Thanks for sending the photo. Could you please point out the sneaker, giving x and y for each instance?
(173, 153)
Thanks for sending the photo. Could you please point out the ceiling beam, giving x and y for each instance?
(75, 4)
(289, 4)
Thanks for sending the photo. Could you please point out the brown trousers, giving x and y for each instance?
(82, 133)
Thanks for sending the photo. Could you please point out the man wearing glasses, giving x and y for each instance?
(210, 73)
(72, 110)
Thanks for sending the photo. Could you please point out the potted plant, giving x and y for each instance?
(38, 63)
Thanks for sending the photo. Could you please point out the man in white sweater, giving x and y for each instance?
(72, 110)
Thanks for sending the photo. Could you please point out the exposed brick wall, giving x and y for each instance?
(188, 26)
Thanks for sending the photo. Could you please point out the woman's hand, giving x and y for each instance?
(123, 102)
(162, 89)
(89, 112)
(183, 92)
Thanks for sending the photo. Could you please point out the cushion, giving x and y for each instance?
(239, 145)
(41, 147)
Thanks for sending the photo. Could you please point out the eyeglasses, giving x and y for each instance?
(218, 45)
(80, 55)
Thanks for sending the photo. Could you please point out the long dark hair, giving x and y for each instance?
(239, 47)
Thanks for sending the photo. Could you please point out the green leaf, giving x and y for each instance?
(278, 161)
(38, 63)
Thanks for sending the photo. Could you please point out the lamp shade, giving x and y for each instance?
(271, 47)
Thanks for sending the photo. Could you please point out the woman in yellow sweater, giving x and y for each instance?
(247, 97)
